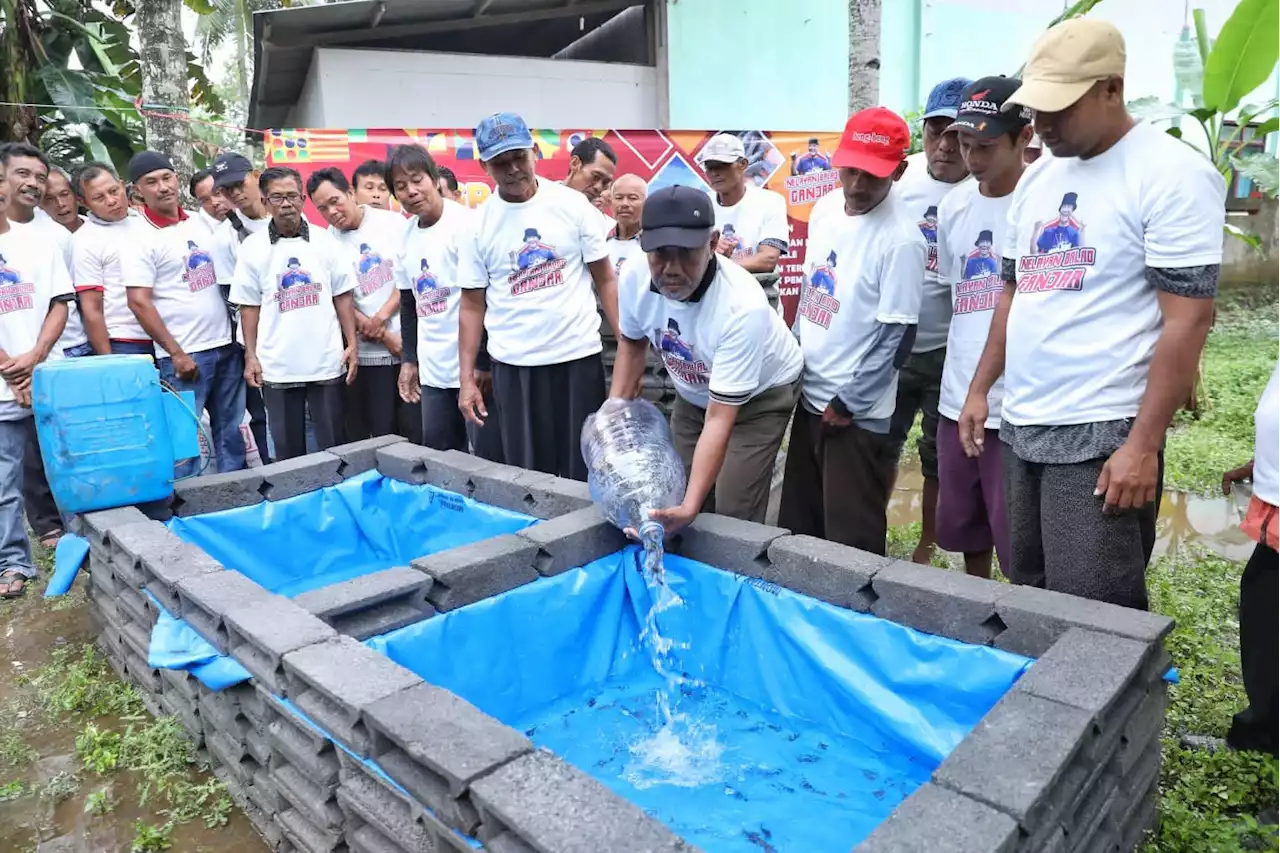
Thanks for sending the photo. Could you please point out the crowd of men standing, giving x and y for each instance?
(1046, 356)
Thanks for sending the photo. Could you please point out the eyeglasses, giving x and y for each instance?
(280, 198)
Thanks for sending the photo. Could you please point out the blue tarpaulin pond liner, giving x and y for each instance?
(799, 725)
(362, 525)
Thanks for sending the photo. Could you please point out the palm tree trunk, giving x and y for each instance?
(864, 54)
(162, 54)
(242, 52)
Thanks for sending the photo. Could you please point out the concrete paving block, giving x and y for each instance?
(827, 571)
(937, 601)
(317, 802)
(507, 842)
(452, 470)
(551, 805)
(1035, 619)
(504, 486)
(405, 462)
(935, 819)
(373, 802)
(1083, 818)
(101, 578)
(444, 732)
(572, 540)
(1086, 670)
(289, 478)
(231, 755)
(307, 837)
(223, 718)
(366, 839)
(727, 543)
(469, 573)
(1136, 823)
(432, 791)
(262, 632)
(264, 794)
(294, 743)
(216, 492)
(361, 456)
(254, 706)
(400, 592)
(132, 545)
(331, 682)
(184, 561)
(1016, 754)
(1142, 729)
(1144, 771)
(133, 604)
(137, 639)
(364, 624)
(257, 745)
(93, 525)
(558, 496)
(186, 715)
(206, 598)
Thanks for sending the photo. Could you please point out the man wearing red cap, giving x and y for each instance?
(856, 324)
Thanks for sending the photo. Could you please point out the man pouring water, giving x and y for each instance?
(734, 363)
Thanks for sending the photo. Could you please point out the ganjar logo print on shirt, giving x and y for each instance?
(537, 265)
(929, 228)
(981, 287)
(432, 299)
(677, 355)
(295, 289)
(372, 270)
(818, 304)
(197, 268)
(1057, 260)
(15, 294)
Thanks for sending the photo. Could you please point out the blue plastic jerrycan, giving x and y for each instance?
(109, 431)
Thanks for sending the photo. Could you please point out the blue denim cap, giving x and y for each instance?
(945, 98)
(500, 133)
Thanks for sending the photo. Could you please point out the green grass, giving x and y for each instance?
(1238, 360)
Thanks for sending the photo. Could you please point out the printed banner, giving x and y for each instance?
(794, 164)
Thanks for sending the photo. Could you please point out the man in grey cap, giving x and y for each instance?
(235, 179)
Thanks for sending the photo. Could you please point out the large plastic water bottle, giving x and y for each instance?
(632, 465)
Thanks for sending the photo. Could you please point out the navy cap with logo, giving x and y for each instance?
(230, 168)
(679, 217)
(982, 110)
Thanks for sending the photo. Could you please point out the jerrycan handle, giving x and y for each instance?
(183, 423)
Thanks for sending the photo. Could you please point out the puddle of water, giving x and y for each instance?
(29, 632)
(1211, 522)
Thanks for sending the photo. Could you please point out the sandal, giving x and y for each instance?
(8, 580)
(50, 539)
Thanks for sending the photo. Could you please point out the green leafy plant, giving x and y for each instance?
(98, 749)
(14, 751)
(12, 791)
(98, 804)
(150, 839)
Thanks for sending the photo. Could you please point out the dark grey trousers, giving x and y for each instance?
(541, 411)
(287, 416)
(1063, 541)
(444, 428)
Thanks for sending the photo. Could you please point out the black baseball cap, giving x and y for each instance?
(982, 108)
(146, 162)
(230, 168)
(676, 216)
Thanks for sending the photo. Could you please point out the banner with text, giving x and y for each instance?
(794, 164)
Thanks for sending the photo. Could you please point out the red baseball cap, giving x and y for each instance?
(875, 140)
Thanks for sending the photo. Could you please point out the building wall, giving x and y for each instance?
(309, 111)
(380, 88)
(760, 63)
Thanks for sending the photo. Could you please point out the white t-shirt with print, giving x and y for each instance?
(971, 230)
(861, 272)
(371, 253)
(97, 249)
(181, 273)
(1266, 443)
(32, 273)
(428, 267)
(824, 209)
(728, 346)
(758, 219)
(532, 257)
(626, 253)
(73, 335)
(1084, 323)
(294, 281)
(920, 195)
(226, 252)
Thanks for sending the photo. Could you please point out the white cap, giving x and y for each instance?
(722, 148)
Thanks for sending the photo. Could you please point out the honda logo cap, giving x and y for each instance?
(1065, 63)
(982, 110)
(500, 133)
(875, 141)
(722, 148)
(676, 216)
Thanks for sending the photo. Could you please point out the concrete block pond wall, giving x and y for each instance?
(331, 746)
